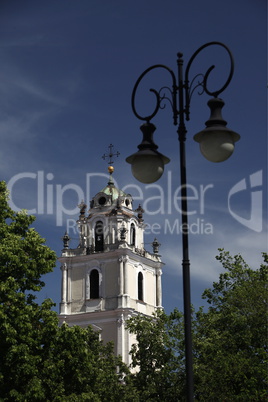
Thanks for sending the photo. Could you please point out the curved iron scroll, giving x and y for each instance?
(205, 76)
(155, 92)
(178, 87)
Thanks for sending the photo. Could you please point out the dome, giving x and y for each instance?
(110, 195)
(113, 191)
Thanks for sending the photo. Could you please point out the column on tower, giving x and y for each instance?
(123, 280)
(121, 276)
(121, 337)
(126, 258)
(64, 289)
(158, 288)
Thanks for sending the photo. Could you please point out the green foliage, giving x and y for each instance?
(231, 337)
(23, 260)
(77, 367)
(40, 361)
(229, 342)
(160, 374)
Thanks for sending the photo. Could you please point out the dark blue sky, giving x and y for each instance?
(67, 69)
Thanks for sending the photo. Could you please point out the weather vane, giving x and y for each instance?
(110, 154)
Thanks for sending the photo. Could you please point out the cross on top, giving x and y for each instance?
(110, 154)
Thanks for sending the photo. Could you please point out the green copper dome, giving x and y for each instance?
(113, 191)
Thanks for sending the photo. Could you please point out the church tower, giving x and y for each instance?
(110, 277)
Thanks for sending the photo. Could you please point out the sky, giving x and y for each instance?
(67, 71)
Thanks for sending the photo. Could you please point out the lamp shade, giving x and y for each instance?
(147, 165)
(216, 141)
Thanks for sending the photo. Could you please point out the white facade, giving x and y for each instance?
(110, 277)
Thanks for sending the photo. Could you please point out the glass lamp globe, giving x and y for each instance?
(216, 145)
(147, 164)
(216, 141)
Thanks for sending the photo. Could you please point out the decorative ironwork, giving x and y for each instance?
(110, 154)
(182, 89)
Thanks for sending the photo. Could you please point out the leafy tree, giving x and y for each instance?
(40, 361)
(78, 367)
(23, 260)
(159, 368)
(231, 337)
(229, 342)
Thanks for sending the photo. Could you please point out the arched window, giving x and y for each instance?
(132, 234)
(99, 236)
(94, 284)
(140, 286)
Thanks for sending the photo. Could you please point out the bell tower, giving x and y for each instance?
(110, 276)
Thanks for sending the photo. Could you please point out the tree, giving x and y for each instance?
(231, 337)
(23, 260)
(40, 361)
(77, 366)
(159, 369)
(229, 342)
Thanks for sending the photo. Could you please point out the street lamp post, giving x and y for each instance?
(216, 144)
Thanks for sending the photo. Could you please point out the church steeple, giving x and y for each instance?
(110, 276)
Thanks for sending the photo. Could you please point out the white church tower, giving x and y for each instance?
(110, 277)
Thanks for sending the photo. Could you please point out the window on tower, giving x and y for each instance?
(132, 234)
(140, 286)
(94, 284)
(99, 236)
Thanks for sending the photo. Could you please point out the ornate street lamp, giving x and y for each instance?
(216, 144)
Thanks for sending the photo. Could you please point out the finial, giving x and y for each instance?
(111, 180)
(66, 239)
(110, 155)
(140, 211)
(82, 206)
(156, 246)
